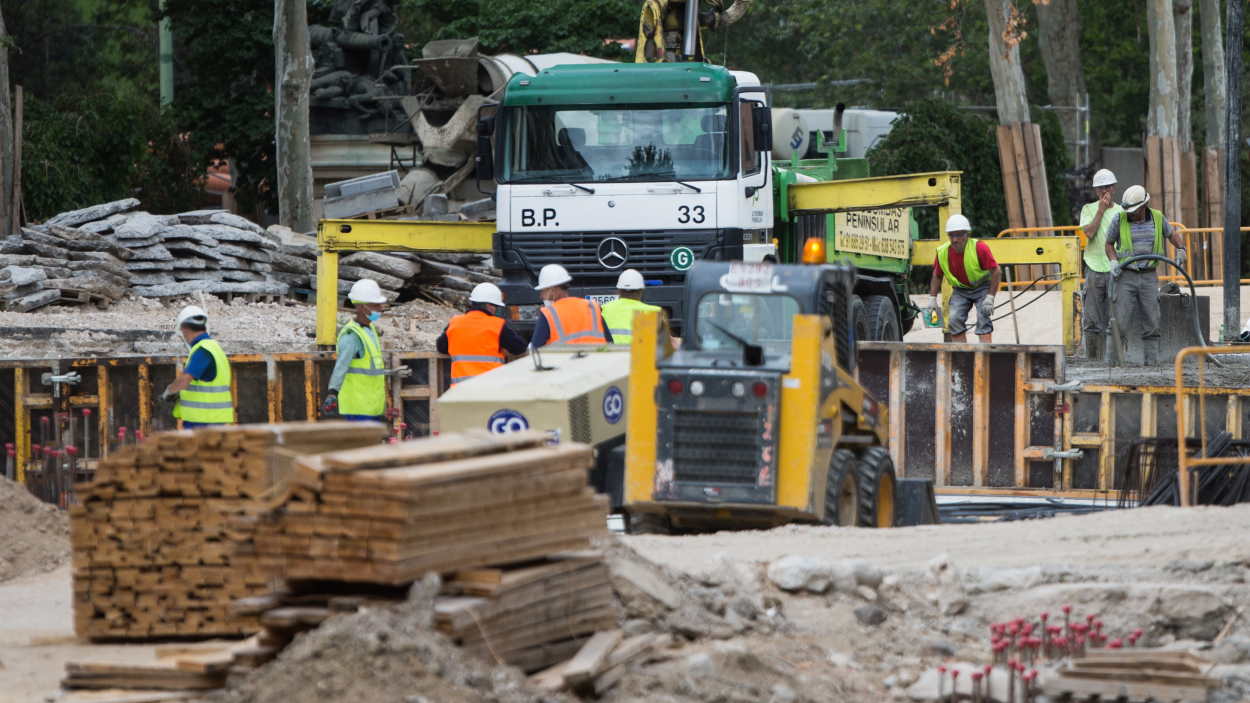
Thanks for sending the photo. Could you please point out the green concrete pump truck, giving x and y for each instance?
(652, 166)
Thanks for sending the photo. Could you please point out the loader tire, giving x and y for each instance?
(859, 319)
(842, 490)
(881, 319)
(876, 488)
(647, 524)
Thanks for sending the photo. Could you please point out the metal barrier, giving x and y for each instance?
(1233, 418)
(52, 408)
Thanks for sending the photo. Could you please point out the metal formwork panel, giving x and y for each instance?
(971, 416)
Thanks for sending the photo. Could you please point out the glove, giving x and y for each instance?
(1181, 258)
(1116, 269)
(988, 301)
(985, 307)
(169, 396)
(401, 372)
(934, 303)
(330, 406)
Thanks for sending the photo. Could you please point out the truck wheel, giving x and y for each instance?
(876, 488)
(647, 524)
(842, 490)
(859, 319)
(882, 319)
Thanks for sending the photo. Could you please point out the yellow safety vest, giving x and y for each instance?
(364, 386)
(972, 265)
(208, 402)
(618, 316)
(1124, 247)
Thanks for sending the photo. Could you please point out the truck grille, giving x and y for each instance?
(577, 252)
(717, 447)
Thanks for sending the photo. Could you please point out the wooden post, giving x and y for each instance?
(1189, 211)
(1011, 184)
(1037, 175)
(16, 208)
(1154, 168)
(1023, 177)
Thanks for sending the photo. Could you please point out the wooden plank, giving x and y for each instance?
(1190, 205)
(411, 477)
(1154, 168)
(432, 449)
(1020, 435)
(1011, 185)
(1037, 175)
(1023, 176)
(1173, 185)
(590, 659)
(980, 418)
(491, 581)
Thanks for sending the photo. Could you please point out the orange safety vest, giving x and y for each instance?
(473, 344)
(574, 321)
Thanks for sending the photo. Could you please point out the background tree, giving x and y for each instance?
(6, 131)
(1059, 39)
(293, 76)
(1183, 21)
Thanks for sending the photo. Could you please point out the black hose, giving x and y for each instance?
(1193, 294)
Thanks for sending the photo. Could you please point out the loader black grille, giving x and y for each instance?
(717, 447)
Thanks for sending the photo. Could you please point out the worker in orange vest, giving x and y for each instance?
(477, 340)
(566, 319)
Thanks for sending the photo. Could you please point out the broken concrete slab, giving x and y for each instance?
(199, 217)
(22, 275)
(189, 234)
(176, 289)
(34, 301)
(152, 265)
(235, 275)
(243, 252)
(230, 219)
(295, 264)
(74, 218)
(106, 225)
(156, 252)
(355, 273)
(294, 280)
(139, 243)
(182, 247)
(143, 225)
(376, 261)
(150, 279)
(222, 233)
(482, 209)
(418, 183)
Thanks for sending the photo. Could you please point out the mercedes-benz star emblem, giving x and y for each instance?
(613, 252)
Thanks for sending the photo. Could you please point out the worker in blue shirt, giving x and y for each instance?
(201, 391)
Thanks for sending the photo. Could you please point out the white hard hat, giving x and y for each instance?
(1104, 177)
(486, 293)
(1134, 198)
(366, 290)
(630, 279)
(958, 223)
(552, 275)
(193, 314)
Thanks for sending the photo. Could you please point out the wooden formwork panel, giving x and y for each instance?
(970, 415)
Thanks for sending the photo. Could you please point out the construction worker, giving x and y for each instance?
(618, 315)
(478, 340)
(1140, 230)
(566, 319)
(973, 274)
(201, 391)
(1096, 218)
(358, 382)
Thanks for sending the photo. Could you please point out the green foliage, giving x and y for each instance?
(524, 26)
(934, 135)
(223, 97)
(85, 151)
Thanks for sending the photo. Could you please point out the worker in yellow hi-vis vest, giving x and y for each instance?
(973, 274)
(201, 391)
(618, 315)
(358, 382)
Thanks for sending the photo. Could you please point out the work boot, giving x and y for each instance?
(1150, 352)
(1094, 346)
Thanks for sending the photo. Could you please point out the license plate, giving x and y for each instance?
(602, 299)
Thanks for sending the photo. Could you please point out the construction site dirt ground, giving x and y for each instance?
(1178, 574)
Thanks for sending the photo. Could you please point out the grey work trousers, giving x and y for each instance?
(1137, 298)
(1095, 307)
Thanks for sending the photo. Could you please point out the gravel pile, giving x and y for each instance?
(37, 535)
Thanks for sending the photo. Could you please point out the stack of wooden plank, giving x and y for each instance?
(391, 514)
(157, 547)
(531, 615)
(1025, 190)
(1134, 675)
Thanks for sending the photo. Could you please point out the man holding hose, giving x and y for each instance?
(1140, 230)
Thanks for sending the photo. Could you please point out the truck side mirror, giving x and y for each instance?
(484, 158)
(762, 117)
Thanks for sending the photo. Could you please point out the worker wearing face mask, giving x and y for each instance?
(358, 383)
(201, 391)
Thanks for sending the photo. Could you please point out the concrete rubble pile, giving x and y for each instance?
(100, 253)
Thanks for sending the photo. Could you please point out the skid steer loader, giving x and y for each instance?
(757, 419)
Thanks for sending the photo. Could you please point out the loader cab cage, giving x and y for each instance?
(758, 302)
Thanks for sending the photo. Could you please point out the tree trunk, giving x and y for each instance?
(293, 68)
(1059, 35)
(6, 133)
(1009, 90)
(1183, 19)
(1162, 118)
(1213, 96)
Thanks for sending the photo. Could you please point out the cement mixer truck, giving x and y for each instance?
(654, 166)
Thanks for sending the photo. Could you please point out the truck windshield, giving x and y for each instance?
(567, 145)
(765, 320)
